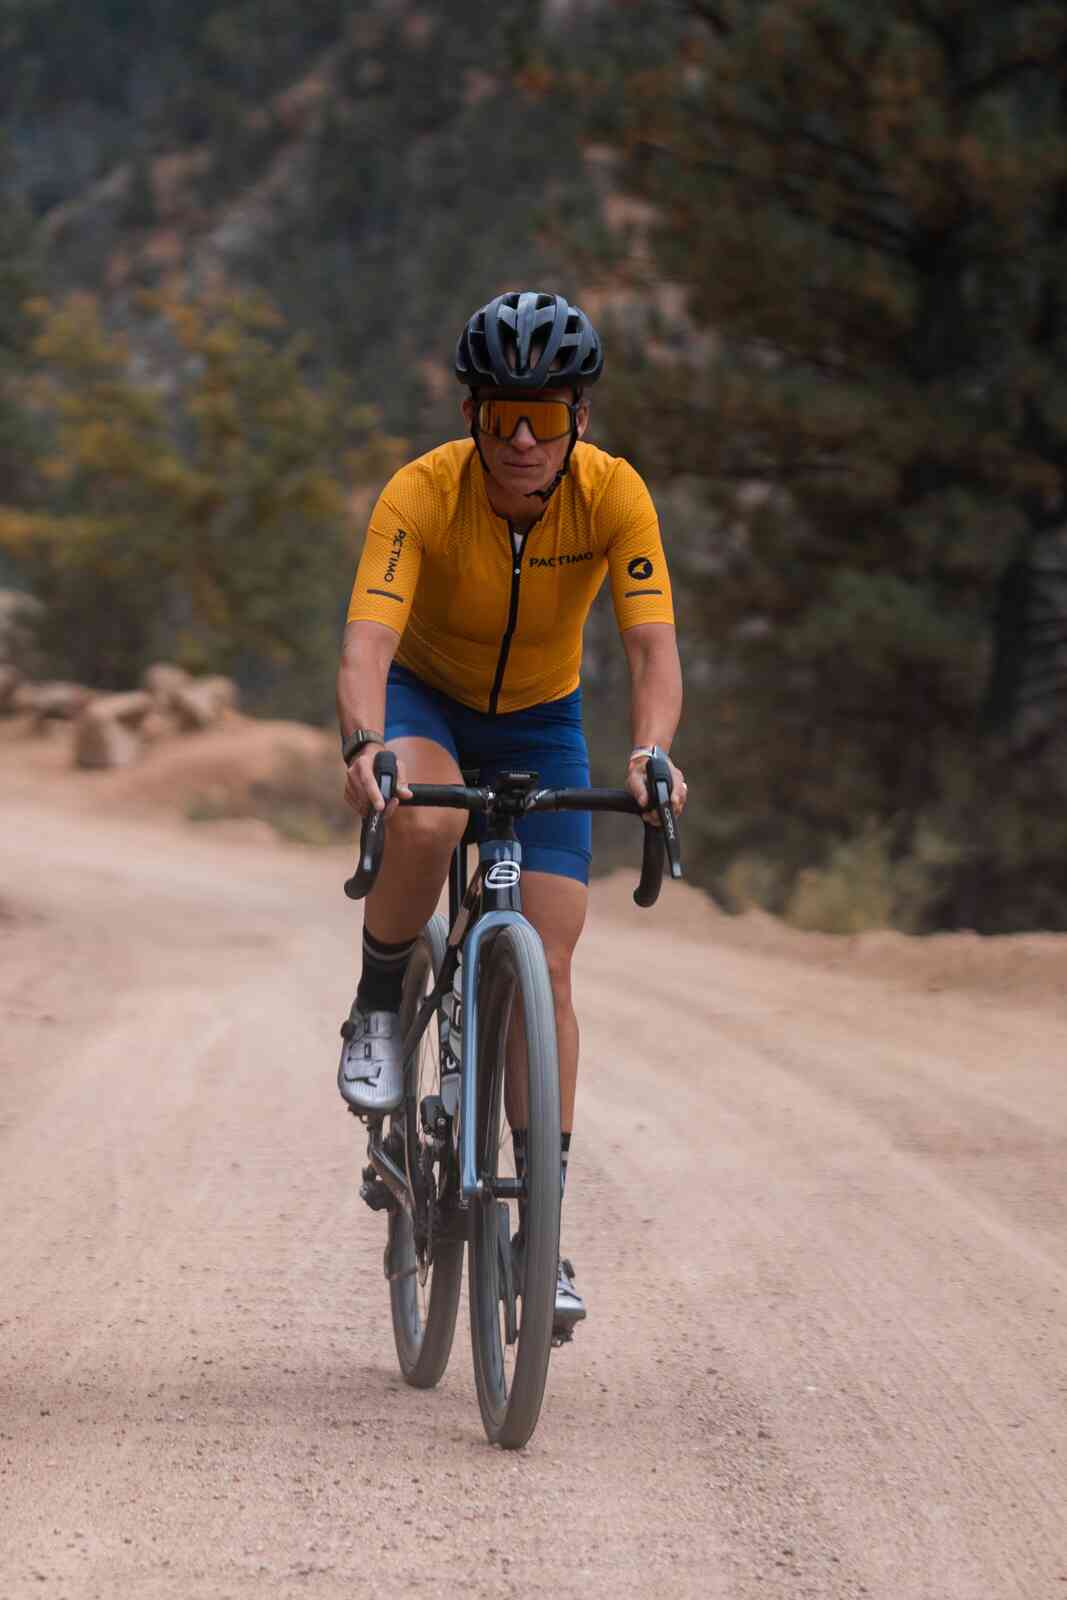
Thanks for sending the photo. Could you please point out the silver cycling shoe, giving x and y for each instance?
(371, 1074)
(570, 1307)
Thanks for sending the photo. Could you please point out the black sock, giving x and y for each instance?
(382, 979)
(518, 1144)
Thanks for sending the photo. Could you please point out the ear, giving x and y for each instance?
(582, 419)
(468, 410)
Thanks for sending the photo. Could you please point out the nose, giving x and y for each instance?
(522, 438)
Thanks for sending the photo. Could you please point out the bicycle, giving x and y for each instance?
(441, 1164)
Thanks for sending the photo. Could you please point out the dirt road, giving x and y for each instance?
(818, 1207)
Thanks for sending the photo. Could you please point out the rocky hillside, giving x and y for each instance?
(374, 168)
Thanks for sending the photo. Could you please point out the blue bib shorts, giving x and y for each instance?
(547, 739)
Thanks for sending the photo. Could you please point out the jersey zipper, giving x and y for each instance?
(513, 615)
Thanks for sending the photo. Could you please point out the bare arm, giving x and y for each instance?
(655, 683)
(655, 701)
(366, 655)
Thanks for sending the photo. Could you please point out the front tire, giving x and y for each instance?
(513, 1274)
(424, 1291)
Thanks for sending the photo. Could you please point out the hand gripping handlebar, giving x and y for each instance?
(660, 843)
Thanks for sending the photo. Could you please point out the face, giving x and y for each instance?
(522, 463)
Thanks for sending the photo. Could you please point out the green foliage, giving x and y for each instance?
(204, 520)
(857, 424)
(430, 175)
(17, 265)
(866, 209)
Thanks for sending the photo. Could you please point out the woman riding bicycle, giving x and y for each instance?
(463, 649)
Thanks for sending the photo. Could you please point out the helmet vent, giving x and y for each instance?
(526, 340)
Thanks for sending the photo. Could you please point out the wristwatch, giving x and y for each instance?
(358, 740)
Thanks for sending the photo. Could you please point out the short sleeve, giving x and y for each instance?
(629, 527)
(389, 566)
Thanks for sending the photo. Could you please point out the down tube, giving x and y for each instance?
(470, 1186)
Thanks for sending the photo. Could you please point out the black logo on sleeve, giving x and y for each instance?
(395, 553)
(640, 569)
(396, 550)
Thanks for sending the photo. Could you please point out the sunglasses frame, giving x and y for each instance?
(572, 406)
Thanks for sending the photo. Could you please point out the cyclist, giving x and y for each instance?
(463, 647)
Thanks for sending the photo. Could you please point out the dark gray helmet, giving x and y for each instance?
(529, 341)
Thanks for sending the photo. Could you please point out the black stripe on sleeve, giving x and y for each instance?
(386, 595)
(631, 594)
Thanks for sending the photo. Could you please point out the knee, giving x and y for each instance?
(559, 971)
(425, 832)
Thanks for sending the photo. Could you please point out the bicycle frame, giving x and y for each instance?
(497, 901)
(480, 908)
(477, 909)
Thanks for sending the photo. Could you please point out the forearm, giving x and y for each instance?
(655, 685)
(366, 655)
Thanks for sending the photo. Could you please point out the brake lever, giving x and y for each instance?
(372, 833)
(658, 779)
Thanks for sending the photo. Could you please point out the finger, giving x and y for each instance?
(354, 795)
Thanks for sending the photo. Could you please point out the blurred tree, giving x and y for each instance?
(17, 267)
(203, 518)
(865, 211)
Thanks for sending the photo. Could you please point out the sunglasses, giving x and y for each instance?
(546, 419)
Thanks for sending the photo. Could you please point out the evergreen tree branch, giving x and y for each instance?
(712, 15)
(937, 26)
(1006, 72)
(825, 34)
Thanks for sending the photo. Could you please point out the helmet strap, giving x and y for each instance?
(476, 435)
(544, 495)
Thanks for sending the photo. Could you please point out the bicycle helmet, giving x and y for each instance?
(529, 341)
(524, 342)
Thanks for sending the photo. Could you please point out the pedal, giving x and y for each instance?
(393, 1145)
(434, 1116)
(375, 1193)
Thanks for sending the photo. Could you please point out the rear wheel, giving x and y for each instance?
(426, 1267)
(514, 1226)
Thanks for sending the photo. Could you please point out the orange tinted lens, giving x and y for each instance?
(547, 419)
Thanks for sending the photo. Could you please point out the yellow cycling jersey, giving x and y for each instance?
(494, 621)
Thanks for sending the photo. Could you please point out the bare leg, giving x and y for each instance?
(419, 844)
(556, 906)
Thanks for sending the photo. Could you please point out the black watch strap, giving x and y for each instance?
(358, 740)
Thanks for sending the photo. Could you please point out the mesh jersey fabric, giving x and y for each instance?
(495, 628)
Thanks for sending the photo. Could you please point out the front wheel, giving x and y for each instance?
(426, 1269)
(514, 1225)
